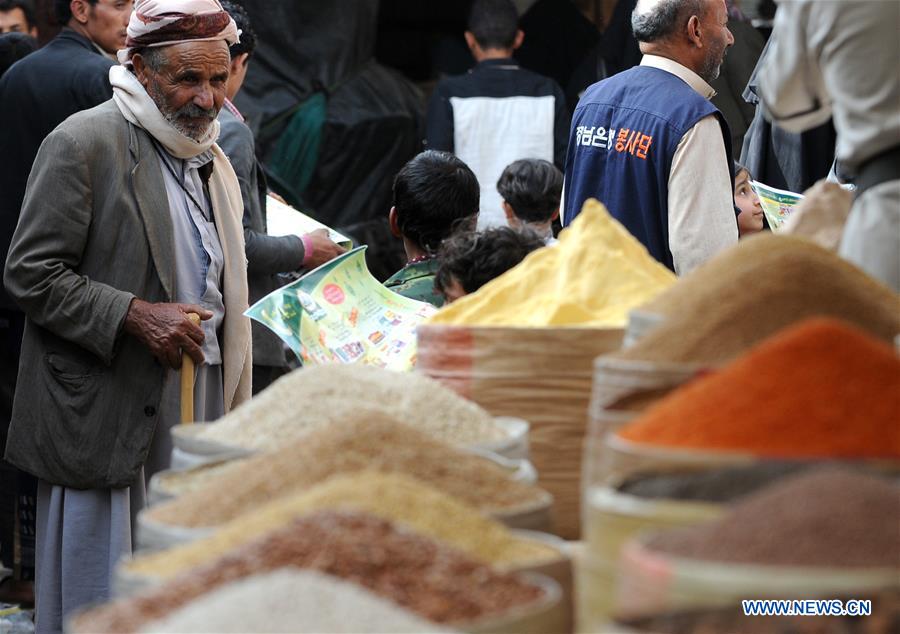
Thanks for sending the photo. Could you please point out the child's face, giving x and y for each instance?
(750, 220)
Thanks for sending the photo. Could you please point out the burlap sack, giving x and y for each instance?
(541, 375)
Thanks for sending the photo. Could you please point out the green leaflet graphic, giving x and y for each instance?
(339, 313)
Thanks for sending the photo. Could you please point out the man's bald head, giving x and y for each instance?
(694, 33)
(657, 20)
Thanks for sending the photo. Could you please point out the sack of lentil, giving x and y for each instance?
(820, 389)
(368, 441)
(654, 500)
(822, 533)
(318, 396)
(755, 289)
(435, 581)
(386, 495)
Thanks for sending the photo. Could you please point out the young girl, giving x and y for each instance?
(750, 220)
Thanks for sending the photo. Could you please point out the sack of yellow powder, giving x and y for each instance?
(595, 275)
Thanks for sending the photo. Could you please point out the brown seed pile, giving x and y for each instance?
(370, 441)
(823, 518)
(430, 579)
(755, 289)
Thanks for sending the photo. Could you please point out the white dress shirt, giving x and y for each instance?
(702, 220)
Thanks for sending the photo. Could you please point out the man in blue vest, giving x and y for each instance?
(648, 143)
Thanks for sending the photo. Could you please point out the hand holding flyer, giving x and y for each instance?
(339, 313)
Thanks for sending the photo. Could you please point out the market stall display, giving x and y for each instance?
(820, 390)
(524, 344)
(733, 302)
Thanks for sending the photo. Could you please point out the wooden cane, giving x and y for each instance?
(187, 380)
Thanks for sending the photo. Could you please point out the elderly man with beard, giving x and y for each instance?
(131, 221)
(648, 143)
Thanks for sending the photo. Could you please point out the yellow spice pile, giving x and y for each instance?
(368, 440)
(393, 497)
(595, 275)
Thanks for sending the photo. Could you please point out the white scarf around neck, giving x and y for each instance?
(137, 107)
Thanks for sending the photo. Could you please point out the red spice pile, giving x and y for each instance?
(819, 389)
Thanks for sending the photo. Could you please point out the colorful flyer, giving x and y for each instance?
(777, 204)
(339, 313)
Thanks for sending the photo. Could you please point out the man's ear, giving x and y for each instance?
(520, 37)
(33, 32)
(395, 226)
(80, 11)
(238, 63)
(555, 214)
(471, 42)
(511, 218)
(694, 33)
(140, 69)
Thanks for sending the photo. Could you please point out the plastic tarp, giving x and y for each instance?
(373, 120)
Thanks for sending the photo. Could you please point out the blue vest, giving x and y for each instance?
(624, 135)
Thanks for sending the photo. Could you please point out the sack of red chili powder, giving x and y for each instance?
(819, 389)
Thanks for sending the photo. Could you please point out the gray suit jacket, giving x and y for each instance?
(267, 256)
(94, 232)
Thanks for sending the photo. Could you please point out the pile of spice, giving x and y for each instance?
(393, 497)
(885, 619)
(819, 389)
(292, 600)
(595, 275)
(433, 580)
(752, 291)
(367, 441)
(823, 518)
(319, 396)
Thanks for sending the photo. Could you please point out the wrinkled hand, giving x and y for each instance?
(166, 330)
(323, 249)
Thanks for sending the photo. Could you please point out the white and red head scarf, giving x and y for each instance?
(166, 22)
